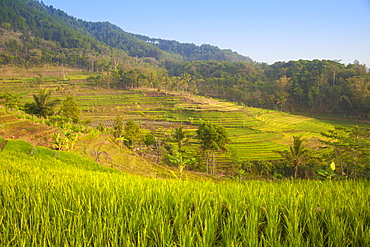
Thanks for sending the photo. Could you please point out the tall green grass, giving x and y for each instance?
(52, 198)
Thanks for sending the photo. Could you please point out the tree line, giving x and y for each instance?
(321, 86)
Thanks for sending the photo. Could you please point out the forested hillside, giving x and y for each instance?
(314, 86)
(143, 46)
(111, 35)
(33, 34)
(192, 52)
(55, 25)
(31, 37)
(44, 22)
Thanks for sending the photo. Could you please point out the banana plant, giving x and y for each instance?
(59, 141)
(70, 139)
(97, 153)
(240, 174)
(329, 173)
(120, 141)
(180, 161)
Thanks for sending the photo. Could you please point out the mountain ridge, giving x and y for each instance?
(137, 45)
(192, 52)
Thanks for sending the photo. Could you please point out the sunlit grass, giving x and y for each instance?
(52, 198)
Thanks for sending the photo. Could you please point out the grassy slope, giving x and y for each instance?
(123, 159)
(53, 198)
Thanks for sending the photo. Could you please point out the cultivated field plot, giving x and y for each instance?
(254, 137)
(13, 128)
(255, 133)
(61, 199)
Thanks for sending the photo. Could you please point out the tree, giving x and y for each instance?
(118, 127)
(10, 100)
(179, 137)
(70, 139)
(132, 132)
(67, 142)
(359, 91)
(329, 172)
(70, 108)
(350, 149)
(296, 154)
(99, 153)
(149, 139)
(118, 130)
(281, 94)
(212, 138)
(281, 100)
(42, 106)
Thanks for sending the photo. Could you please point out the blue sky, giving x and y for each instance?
(265, 30)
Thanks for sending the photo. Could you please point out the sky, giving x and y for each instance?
(265, 30)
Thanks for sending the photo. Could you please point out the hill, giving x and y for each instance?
(192, 52)
(32, 36)
(142, 46)
(34, 19)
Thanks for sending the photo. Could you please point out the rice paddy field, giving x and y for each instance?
(53, 198)
(255, 134)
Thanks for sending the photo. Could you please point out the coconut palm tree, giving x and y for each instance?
(296, 154)
(42, 106)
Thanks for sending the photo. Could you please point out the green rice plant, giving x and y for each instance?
(42, 205)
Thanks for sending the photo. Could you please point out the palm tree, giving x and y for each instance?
(42, 105)
(296, 155)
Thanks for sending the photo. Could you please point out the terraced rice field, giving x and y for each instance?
(13, 128)
(255, 133)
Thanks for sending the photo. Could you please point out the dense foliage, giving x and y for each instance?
(192, 52)
(47, 23)
(350, 149)
(30, 36)
(42, 106)
(313, 86)
(212, 138)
